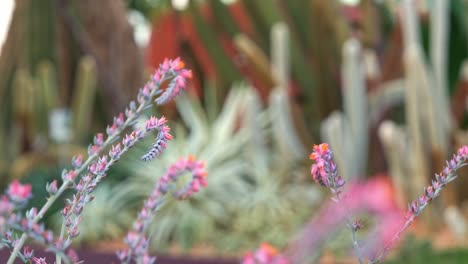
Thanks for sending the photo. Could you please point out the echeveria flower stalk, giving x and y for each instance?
(325, 173)
(171, 71)
(416, 207)
(136, 240)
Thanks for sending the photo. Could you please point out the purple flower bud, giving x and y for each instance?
(115, 152)
(122, 255)
(414, 208)
(98, 139)
(28, 253)
(39, 260)
(93, 150)
(429, 192)
(119, 120)
(356, 225)
(77, 161)
(422, 200)
(51, 187)
(31, 213)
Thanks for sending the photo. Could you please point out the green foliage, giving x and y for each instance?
(419, 252)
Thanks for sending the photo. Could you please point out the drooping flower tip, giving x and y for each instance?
(160, 143)
(176, 69)
(19, 192)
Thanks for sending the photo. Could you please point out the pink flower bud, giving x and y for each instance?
(19, 192)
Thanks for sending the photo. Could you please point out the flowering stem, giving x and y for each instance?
(408, 222)
(92, 157)
(170, 69)
(447, 175)
(349, 224)
(36, 219)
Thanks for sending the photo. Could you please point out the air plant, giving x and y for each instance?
(241, 156)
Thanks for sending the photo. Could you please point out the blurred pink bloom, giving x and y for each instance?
(265, 254)
(19, 192)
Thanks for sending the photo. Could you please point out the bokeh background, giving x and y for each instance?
(384, 82)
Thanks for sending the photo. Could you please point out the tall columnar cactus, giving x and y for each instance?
(439, 43)
(24, 107)
(348, 132)
(279, 97)
(427, 115)
(394, 141)
(83, 99)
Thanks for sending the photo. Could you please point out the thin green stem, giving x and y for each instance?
(349, 223)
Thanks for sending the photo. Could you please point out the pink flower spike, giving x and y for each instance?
(19, 192)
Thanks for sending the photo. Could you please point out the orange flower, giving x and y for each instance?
(269, 249)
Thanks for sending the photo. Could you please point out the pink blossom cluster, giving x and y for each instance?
(177, 84)
(136, 240)
(15, 199)
(191, 165)
(265, 254)
(324, 170)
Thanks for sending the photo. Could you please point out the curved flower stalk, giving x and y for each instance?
(220, 141)
(96, 164)
(136, 240)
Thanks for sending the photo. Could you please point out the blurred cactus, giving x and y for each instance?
(24, 112)
(48, 92)
(420, 148)
(348, 133)
(36, 104)
(241, 48)
(279, 99)
(427, 114)
(83, 99)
